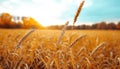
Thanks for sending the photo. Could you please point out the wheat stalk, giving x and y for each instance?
(72, 60)
(88, 60)
(80, 37)
(81, 49)
(99, 46)
(19, 63)
(26, 66)
(78, 12)
(62, 33)
(23, 38)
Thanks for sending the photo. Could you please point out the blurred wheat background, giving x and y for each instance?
(84, 49)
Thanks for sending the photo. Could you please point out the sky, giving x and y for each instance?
(57, 12)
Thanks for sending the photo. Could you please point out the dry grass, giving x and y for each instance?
(39, 50)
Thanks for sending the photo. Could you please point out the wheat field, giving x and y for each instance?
(77, 49)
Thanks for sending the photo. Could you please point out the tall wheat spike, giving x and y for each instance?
(78, 12)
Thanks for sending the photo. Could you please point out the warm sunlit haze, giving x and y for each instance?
(57, 12)
(59, 34)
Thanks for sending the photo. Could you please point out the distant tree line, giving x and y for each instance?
(9, 21)
(100, 26)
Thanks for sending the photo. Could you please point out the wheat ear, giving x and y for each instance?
(99, 46)
(62, 33)
(78, 12)
(23, 38)
(81, 49)
(80, 37)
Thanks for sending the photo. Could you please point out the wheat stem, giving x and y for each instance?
(18, 63)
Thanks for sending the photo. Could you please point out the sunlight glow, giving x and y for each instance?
(46, 12)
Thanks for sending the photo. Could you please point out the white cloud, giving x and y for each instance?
(14, 1)
(45, 11)
(88, 3)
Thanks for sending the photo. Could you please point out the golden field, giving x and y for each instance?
(77, 49)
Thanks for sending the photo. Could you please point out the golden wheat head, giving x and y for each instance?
(78, 11)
